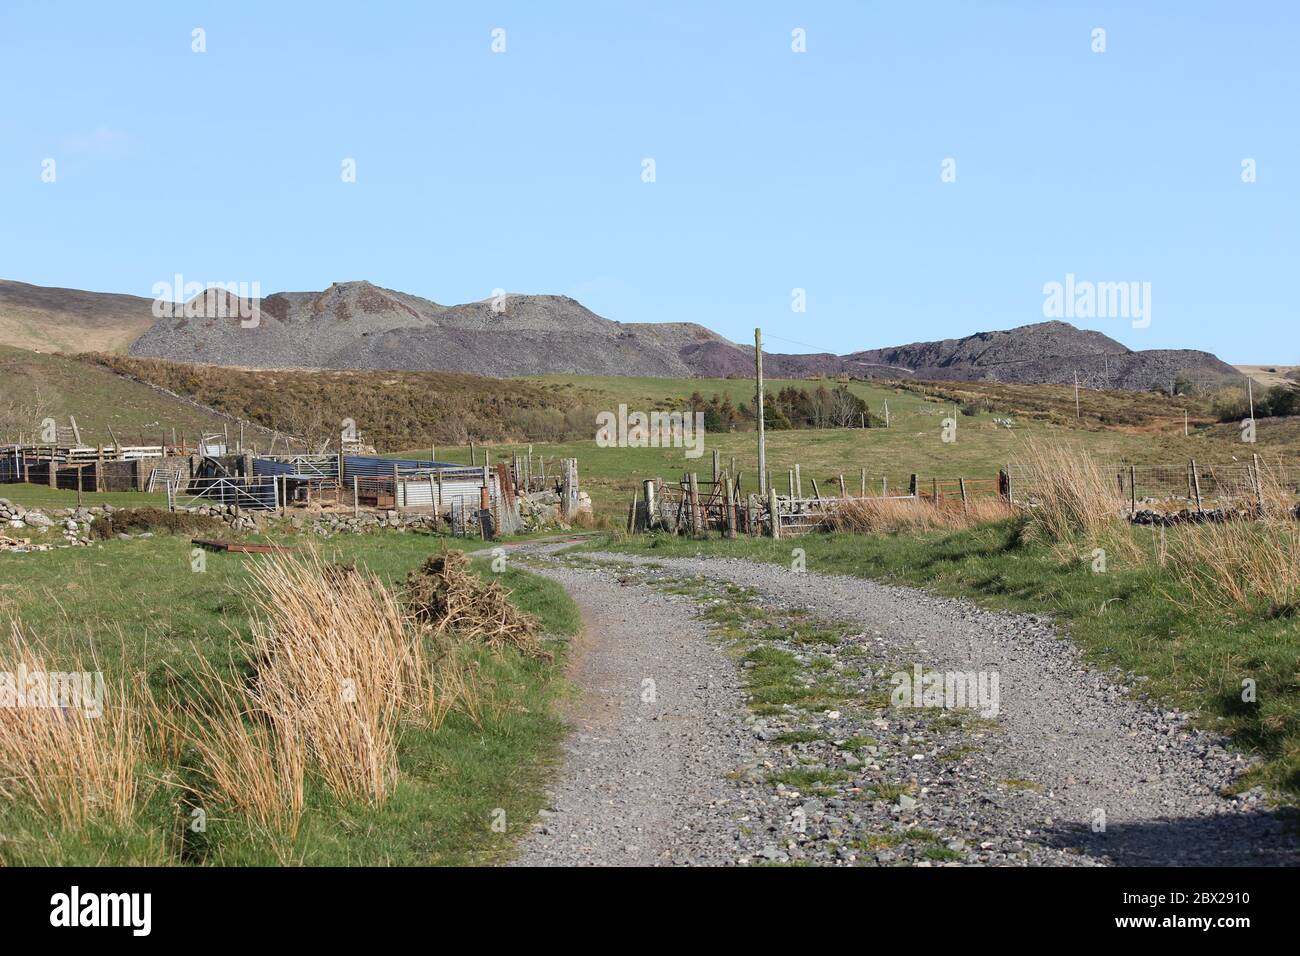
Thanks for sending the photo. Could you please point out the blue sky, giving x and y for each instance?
(774, 170)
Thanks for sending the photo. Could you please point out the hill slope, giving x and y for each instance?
(69, 320)
(34, 386)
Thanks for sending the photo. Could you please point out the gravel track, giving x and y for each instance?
(685, 780)
(644, 774)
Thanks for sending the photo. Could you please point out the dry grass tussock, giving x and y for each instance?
(78, 762)
(1277, 493)
(452, 599)
(874, 515)
(339, 666)
(1240, 563)
(1073, 501)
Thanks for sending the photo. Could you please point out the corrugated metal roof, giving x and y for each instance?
(370, 466)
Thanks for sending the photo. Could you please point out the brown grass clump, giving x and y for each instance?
(1238, 563)
(339, 666)
(1277, 494)
(253, 761)
(874, 515)
(339, 663)
(451, 599)
(69, 762)
(1073, 500)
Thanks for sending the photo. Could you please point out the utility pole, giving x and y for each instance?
(886, 413)
(1250, 393)
(762, 443)
(1077, 413)
(1184, 423)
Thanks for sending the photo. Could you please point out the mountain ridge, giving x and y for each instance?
(357, 325)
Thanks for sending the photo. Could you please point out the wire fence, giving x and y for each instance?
(1205, 484)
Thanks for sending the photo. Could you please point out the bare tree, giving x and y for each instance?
(843, 409)
(21, 417)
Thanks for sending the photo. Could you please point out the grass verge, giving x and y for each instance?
(462, 787)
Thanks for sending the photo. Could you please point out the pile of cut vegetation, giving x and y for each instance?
(450, 598)
(137, 520)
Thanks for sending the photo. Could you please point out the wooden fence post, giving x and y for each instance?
(1196, 485)
(651, 504)
(693, 494)
(1133, 488)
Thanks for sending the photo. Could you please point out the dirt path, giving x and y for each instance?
(1069, 771)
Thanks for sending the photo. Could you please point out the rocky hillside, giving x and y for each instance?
(360, 326)
(356, 325)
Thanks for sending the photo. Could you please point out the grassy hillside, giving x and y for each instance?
(35, 385)
(403, 413)
(70, 320)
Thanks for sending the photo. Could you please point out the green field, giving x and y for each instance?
(137, 608)
(912, 444)
(1117, 427)
(42, 496)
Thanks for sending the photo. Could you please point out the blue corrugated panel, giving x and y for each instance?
(267, 466)
(368, 466)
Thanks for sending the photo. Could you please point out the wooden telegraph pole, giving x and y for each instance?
(762, 443)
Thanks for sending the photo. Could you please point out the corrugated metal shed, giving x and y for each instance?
(459, 487)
